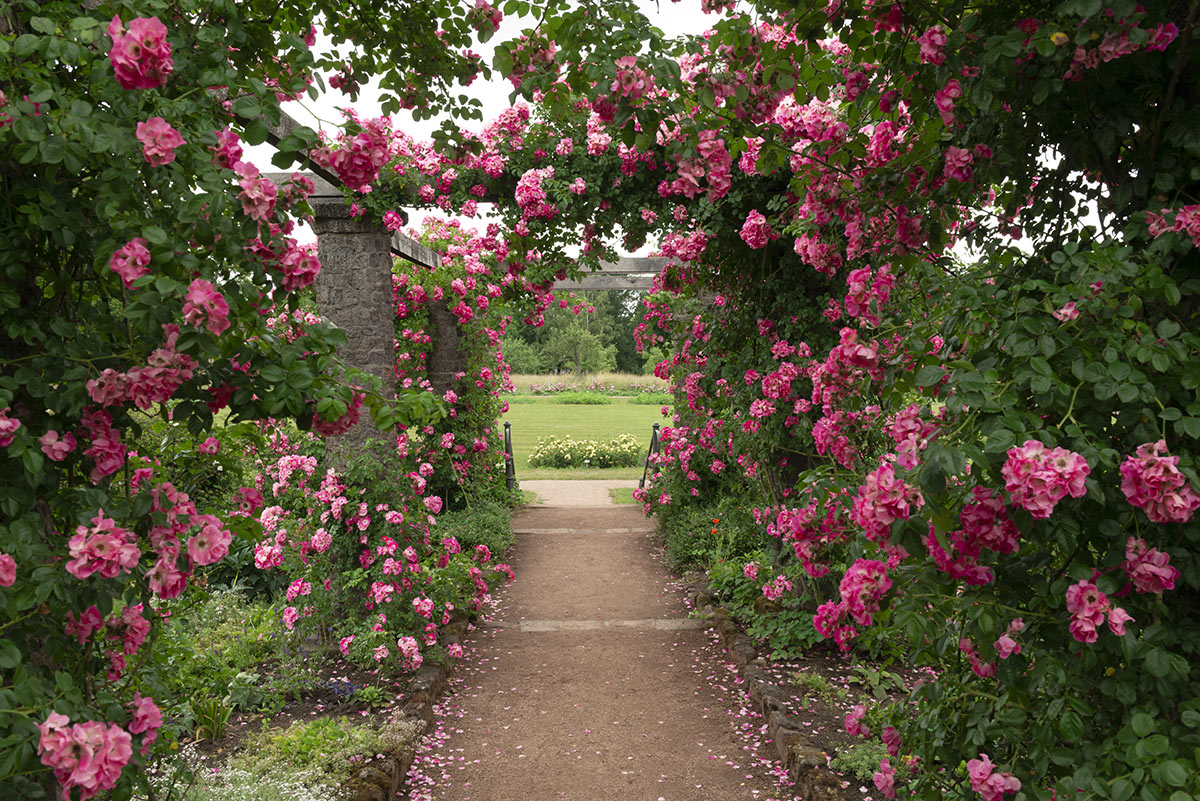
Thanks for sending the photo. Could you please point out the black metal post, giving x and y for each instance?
(510, 473)
(652, 450)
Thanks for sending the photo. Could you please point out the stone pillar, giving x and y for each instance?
(354, 291)
(446, 358)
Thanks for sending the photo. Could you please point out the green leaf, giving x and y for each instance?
(10, 655)
(273, 373)
(1157, 663)
(1190, 717)
(1121, 790)
(929, 375)
(247, 106)
(1070, 726)
(999, 441)
(1167, 328)
(1171, 772)
(1142, 724)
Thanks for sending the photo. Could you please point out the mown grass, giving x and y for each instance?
(621, 495)
(544, 418)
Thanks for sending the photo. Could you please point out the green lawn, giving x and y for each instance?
(534, 417)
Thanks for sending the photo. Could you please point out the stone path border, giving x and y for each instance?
(806, 764)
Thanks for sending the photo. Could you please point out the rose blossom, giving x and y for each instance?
(141, 55)
(131, 261)
(159, 141)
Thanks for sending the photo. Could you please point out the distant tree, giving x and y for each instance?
(587, 332)
(523, 357)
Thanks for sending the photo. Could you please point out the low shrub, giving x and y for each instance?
(622, 451)
(582, 398)
(650, 398)
(482, 524)
(702, 535)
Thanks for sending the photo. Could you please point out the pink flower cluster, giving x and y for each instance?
(1152, 482)
(774, 590)
(883, 500)
(931, 43)
(165, 371)
(531, 194)
(258, 194)
(88, 755)
(103, 548)
(885, 778)
(1089, 607)
(864, 296)
(204, 305)
(1007, 646)
(106, 448)
(211, 543)
(985, 524)
(159, 141)
(989, 783)
(140, 55)
(359, 159)
(410, 650)
(632, 81)
(983, 670)
(1038, 478)
(910, 435)
(756, 231)
(1148, 568)
(853, 723)
(862, 588)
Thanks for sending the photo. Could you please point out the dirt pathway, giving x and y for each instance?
(585, 685)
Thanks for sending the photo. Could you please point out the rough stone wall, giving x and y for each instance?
(354, 291)
(446, 358)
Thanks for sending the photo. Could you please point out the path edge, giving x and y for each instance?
(806, 764)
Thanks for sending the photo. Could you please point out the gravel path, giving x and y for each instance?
(575, 493)
(589, 682)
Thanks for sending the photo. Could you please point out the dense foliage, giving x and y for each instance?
(933, 317)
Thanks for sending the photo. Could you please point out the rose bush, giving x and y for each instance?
(141, 258)
(893, 313)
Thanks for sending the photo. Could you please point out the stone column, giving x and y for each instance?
(446, 358)
(354, 291)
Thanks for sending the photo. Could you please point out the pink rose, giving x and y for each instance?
(211, 543)
(159, 141)
(1068, 312)
(210, 445)
(8, 570)
(141, 55)
(131, 261)
(203, 304)
(54, 447)
(8, 428)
